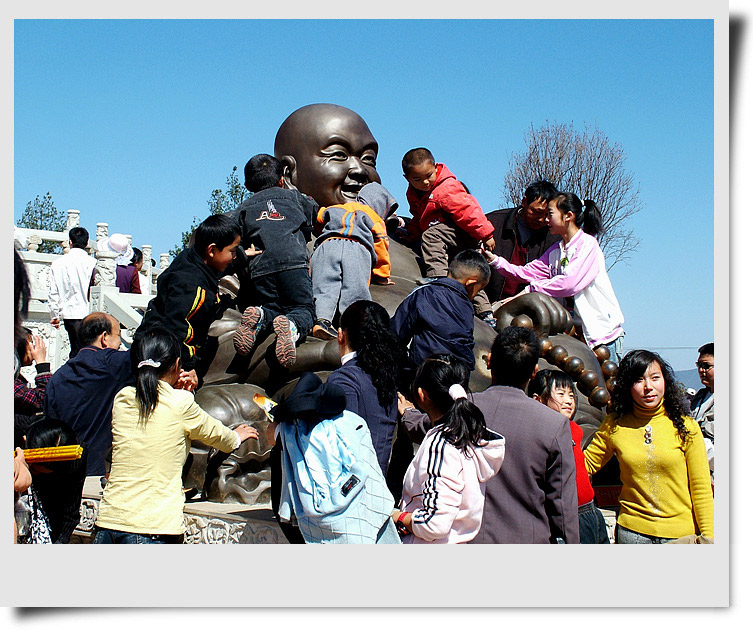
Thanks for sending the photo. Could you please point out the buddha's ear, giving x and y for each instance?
(289, 173)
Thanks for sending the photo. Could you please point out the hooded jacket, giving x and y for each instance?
(361, 221)
(447, 200)
(444, 489)
(186, 304)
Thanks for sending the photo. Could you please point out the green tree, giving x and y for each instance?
(588, 164)
(219, 202)
(42, 214)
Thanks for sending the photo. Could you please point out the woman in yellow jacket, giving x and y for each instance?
(666, 484)
(153, 424)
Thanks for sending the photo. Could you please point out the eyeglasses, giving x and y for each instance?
(704, 366)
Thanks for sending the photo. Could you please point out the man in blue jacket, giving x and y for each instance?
(81, 392)
(438, 317)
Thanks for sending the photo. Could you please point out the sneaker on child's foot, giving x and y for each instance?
(324, 330)
(488, 318)
(245, 336)
(284, 345)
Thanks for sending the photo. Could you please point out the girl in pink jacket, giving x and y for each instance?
(443, 488)
(574, 267)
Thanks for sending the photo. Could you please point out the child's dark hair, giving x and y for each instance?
(462, 423)
(379, 352)
(587, 214)
(415, 157)
(262, 172)
(514, 354)
(468, 263)
(137, 256)
(546, 381)
(48, 432)
(540, 190)
(220, 230)
(630, 370)
(79, 237)
(22, 344)
(152, 357)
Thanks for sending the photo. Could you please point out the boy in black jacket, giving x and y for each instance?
(438, 317)
(275, 292)
(188, 298)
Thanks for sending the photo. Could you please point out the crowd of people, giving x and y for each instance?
(393, 447)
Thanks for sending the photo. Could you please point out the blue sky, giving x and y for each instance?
(135, 122)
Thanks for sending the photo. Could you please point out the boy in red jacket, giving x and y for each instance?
(446, 219)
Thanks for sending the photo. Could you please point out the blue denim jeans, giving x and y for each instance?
(593, 527)
(112, 536)
(615, 349)
(626, 536)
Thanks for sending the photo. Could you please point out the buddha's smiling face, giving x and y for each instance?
(328, 153)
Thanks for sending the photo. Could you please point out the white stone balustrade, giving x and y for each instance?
(104, 296)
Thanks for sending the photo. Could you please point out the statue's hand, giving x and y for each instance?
(548, 315)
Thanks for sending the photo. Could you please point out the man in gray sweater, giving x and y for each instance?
(533, 499)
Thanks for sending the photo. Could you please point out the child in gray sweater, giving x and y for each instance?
(351, 250)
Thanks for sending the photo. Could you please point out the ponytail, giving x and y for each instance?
(592, 222)
(444, 379)
(152, 357)
(587, 214)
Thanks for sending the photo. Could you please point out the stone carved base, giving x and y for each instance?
(204, 522)
(218, 527)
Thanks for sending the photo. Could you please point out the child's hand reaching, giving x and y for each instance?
(489, 243)
(488, 255)
(252, 251)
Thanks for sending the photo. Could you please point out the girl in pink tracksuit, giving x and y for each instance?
(443, 488)
(574, 267)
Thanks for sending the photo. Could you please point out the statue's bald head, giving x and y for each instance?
(327, 152)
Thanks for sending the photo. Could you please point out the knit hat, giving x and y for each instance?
(378, 198)
(117, 243)
(311, 400)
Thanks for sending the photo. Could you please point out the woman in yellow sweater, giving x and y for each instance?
(666, 485)
(153, 424)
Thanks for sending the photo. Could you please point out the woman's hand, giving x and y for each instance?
(21, 473)
(407, 518)
(188, 380)
(246, 432)
(38, 349)
(403, 403)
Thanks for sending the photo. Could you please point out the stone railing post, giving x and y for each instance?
(104, 271)
(34, 243)
(102, 232)
(164, 260)
(72, 220)
(146, 250)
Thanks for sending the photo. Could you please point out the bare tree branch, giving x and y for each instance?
(588, 164)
